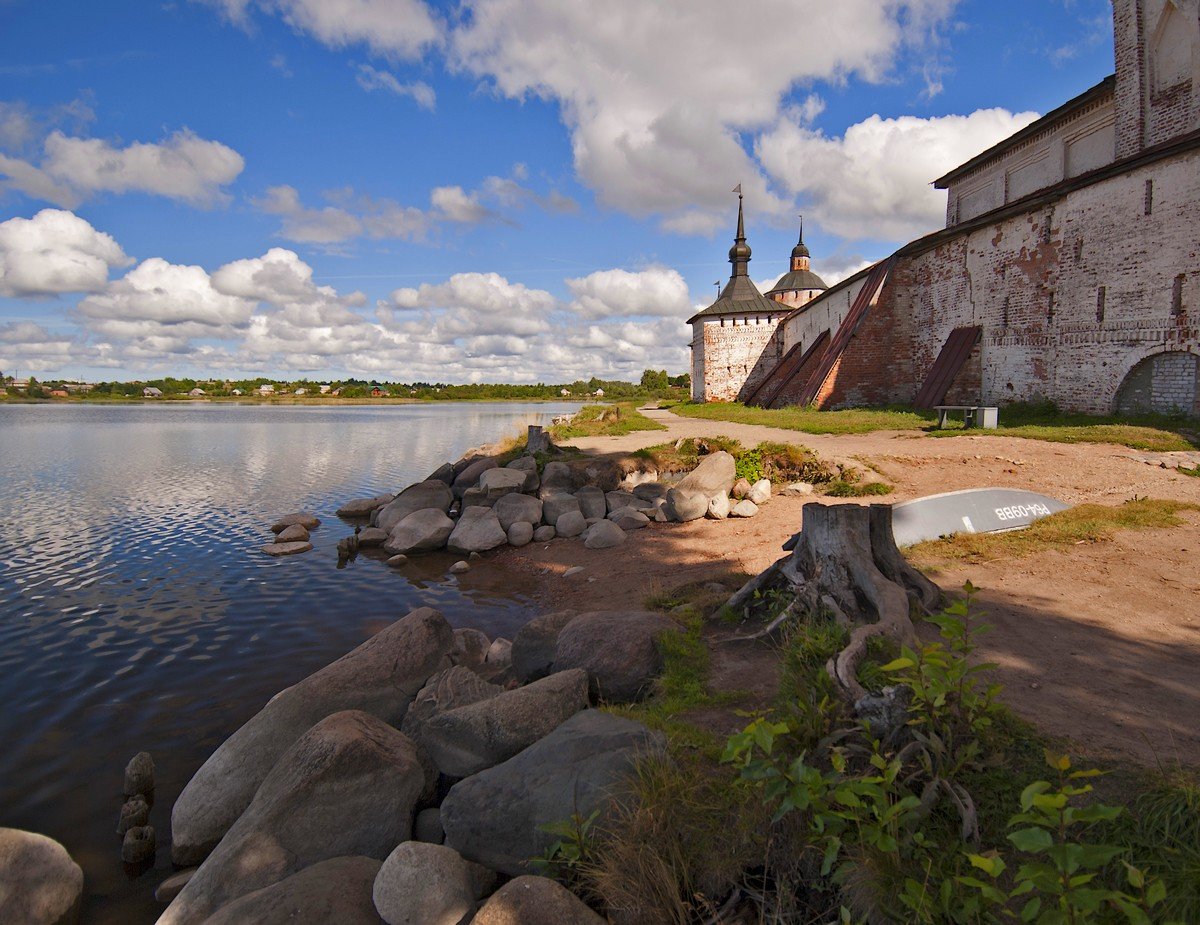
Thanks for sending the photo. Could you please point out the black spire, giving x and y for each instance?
(739, 254)
(800, 250)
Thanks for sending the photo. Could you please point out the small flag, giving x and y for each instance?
(738, 189)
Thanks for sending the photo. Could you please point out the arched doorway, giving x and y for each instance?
(1166, 383)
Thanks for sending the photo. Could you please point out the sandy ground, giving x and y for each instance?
(1099, 644)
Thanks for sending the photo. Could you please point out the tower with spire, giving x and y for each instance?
(734, 343)
(799, 285)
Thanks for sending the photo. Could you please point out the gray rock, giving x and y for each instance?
(469, 739)
(684, 505)
(798, 488)
(592, 502)
(469, 458)
(171, 887)
(628, 519)
(740, 489)
(139, 775)
(500, 482)
(381, 676)
(39, 883)
(660, 515)
(650, 491)
(556, 477)
(422, 496)
(618, 649)
(718, 506)
(138, 846)
(517, 508)
(886, 713)
(293, 534)
(447, 690)
(760, 492)
(306, 520)
(420, 531)
(533, 646)
(397, 560)
(570, 523)
(469, 477)
(470, 647)
(532, 900)
(459, 567)
(605, 534)
(423, 884)
(135, 812)
(372, 536)
(496, 817)
(746, 508)
(520, 534)
(715, 475)
(286, 549)
(475, 497)
(556, 504)
(616, 500)
(337, 890)
(443, 473)
(572, 571)
(477, 530)
(544, 534)
(528, 465)
(428, 826)
(499, 652)
(348, 786)
(363, 507)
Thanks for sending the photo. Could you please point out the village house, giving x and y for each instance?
(1068, 270)
(151, 392)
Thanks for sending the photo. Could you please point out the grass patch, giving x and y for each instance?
(779, 462)
(809, 420)
(841, 488)
(1192, 472)
(1088, 523)
(604, 421)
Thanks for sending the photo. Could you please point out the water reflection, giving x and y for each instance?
(136, 611)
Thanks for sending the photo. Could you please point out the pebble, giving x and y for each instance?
(459, 567)
(138, 846)
(139, 775)
(397, 561)
(574, 570)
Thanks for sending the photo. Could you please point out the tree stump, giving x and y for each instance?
(845, 560)
(538, 441)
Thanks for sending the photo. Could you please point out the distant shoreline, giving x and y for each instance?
(288, 400)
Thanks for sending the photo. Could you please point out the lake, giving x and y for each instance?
(137, 612)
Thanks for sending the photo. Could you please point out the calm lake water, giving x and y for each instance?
(136, 611)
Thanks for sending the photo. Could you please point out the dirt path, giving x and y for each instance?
(1099, 644)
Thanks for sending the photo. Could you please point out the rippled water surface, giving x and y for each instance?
(136, 611)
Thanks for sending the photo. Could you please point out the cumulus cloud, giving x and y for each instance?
(874, 181)
(659, 127)
(182, 166)
(55, 252)
(370, 78)
(619, 293)
(166, 294)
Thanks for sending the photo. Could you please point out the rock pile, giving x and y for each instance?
(405, 780)
(292, 534)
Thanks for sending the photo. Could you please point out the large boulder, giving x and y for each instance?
(381, 677)
(591, 502)
(470, 646)
(605, 534)
(466, 740)
(616, 500)
(39, 883)
(362, 507)
(432, 495)
(520, 534)
(556, 504)
(715, 474)
(497, 817)
(517, 508)
(528, 465)
(500, 482)
(570, 523)
(372, 536)
(718, 506)
(651, 491)
(337, 890)
(532, 900)
(293, 534)
(447, 690)
(348, 786)
(628, 519)
(685, 505)
(478, 530)
(544, 534)
(424, 884)
(618, 649)
(469, 476)
(418, 532)
(556, 477)
(443, 473)
(533, 646)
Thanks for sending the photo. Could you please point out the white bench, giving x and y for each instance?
(973, 415)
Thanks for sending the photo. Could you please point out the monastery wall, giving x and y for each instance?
(738, 353)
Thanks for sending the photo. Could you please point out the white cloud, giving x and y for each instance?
(328, 225)
(457, 205)
(620, 293)
(167, 294)
(469, 305)
(55, 252)
(874, 181)
(660, 126)
(183, 166)
(370, 78)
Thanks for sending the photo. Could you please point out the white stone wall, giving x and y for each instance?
(739, 351)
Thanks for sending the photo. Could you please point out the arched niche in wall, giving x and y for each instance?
(1172, 43)
(1164, 383)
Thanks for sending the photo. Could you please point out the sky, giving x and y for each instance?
(473, 191)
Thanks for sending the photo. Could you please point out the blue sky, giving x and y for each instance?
(514, 190)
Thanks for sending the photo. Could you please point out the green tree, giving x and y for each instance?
(655, 380)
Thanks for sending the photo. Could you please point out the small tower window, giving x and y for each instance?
(1101, 299)
(1148, 204)
(1177, 295)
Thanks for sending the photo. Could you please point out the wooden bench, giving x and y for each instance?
(983, 416)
